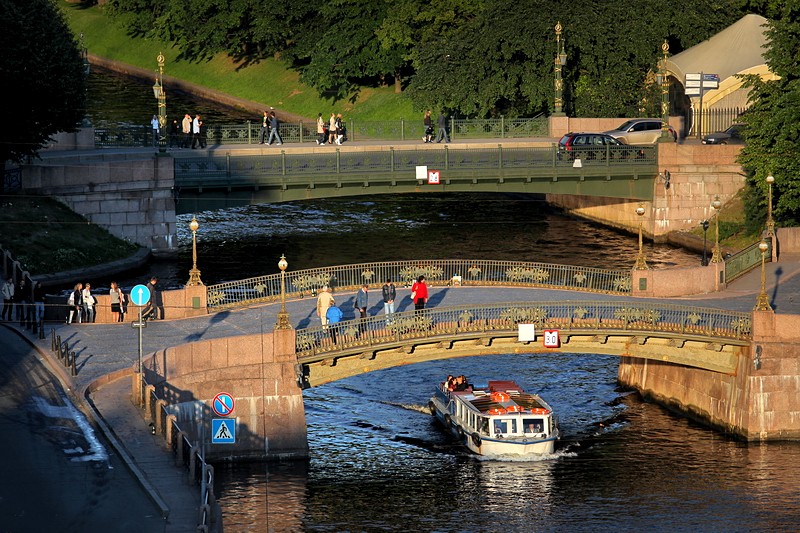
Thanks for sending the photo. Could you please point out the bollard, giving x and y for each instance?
(53, 340)
(41, 330)
(73, 368)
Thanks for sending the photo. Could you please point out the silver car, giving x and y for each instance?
(640, 131)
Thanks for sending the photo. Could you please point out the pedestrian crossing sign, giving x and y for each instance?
(223, 431)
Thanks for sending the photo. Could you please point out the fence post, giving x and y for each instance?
(446, 157)
(402, 129)
(391, 158)
(338, 161)
(502, 127)
(249, 132)
(452, 129)
(228, 165)
(500, 156)
(283, 162)
(351, 130)
(301, 131)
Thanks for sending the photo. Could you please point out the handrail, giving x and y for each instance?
(746, 260)
(437, 272)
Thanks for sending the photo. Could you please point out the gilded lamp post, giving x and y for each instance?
(641, 262)
(716, 256)
(194, 273)
(561, 60)
(161, 97)
(283, 316)
(762, 302)
(770, 221)
(665, 134)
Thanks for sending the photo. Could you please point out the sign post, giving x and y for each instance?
(140, 295)
(697, 84)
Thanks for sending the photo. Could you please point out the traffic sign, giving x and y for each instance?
(223, 404)
(223, 431)
(140, 295)
(551, 338)
(433, 177)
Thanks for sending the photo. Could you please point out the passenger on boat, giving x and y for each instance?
(498, 427)
(448, 383)
(460, 383)
(534, 428)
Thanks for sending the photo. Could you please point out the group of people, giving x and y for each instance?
(22, 304)
(188, 133)
(270, 128)
(441, 126)
(458, 383)
(81, 304)
(331, 131)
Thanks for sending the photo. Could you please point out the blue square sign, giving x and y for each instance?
(223, 431)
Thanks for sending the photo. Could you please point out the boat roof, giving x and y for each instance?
(484, 400)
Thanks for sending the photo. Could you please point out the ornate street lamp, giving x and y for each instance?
(561, 60)
(194, 273)
(665, 134)
(283, 316)
(716, 256)
(704, 224)
(762, 302)
(641, 262)
(770, 222)
(161, 97)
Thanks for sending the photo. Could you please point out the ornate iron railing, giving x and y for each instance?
(440, 272)
(567, 316)
(745, 260)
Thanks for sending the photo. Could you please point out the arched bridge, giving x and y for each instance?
(244, 177)
(697, 337)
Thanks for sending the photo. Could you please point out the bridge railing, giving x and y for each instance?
(440, 272)
(317, 343)
(746, 260)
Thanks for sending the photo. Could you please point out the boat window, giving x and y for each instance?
(533, 425)
(499, 427)
(484, 426)
(505, 426)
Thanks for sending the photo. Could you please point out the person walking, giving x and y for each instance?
(186, 129)
(155, 307)
(333, 315)
(320, 130)
(203, 134)
(39, 298)
(156, 130)
(428, 123)
(196, 131)
(75, 303)
(419, 293)
(22, 297)
(8, 300)
(389, 293)
(362, 302)
(273, 130)
(89, 302)
(339, 129)
(115, 294)
(174, 129)
(332, 128)
(324, 301)
(264, 128)
(441, 125)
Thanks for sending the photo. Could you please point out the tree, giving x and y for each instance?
(43, 68)
(773, 126)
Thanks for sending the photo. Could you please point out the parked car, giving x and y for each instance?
(585, 145)
(731, 135)
(641, 131)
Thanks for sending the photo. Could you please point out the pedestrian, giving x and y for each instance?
(39, 298)
(324, 301)
(203, 134)
(419, 293)
(75, 303)
(264, 128)
(441, 125)
(156, 130)
(195, 131)
(22, 297)
(339, 129)
(123, 304)
(332, 128)
(362, 302)
(333, 315)
(89, 302)
(8, 299)
(273, 129)
(155, 307)
(174, 129)
(186, 129)
(116, 301)
(321, 130)
(428, 123)
(389, 293)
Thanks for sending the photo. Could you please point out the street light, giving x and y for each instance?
(194, 273)
(762, 302)
(665, 134)
(161, 97)
(283, 316)
(770, 222)
(561, 60)
(641, 262)
(704, 224)
(716, 256)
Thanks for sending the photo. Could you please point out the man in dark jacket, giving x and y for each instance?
(389, 294)
(441, 125)
(155, 307)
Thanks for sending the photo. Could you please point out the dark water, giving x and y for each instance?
(378, 461)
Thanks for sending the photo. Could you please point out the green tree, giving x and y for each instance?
(43, 68)
(773, 126)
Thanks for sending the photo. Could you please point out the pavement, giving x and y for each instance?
(108, 353)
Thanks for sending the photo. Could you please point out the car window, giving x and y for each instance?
(625, 125)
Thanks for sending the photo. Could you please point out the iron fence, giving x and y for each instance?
(442, 272)
(746, 260)
(648, 317)
(711, 120)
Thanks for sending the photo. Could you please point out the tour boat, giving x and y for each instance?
(498, 420)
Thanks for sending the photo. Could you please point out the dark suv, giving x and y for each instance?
(588, 146)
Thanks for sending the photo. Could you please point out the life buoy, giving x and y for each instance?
(476, 440)
(540, 411)
(496, 411)
(499, 397)
(514, 409)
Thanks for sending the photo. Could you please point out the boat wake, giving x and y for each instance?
(410, 407)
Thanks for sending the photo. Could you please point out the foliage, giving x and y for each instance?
(42, 65)
(773, 126)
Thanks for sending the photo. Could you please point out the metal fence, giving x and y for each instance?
(746, 260)
(442, 272)
(710, 120)
(567, 316)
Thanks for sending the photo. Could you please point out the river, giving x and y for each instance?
(380, 463)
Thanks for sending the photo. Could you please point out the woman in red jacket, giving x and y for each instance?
(419, 293)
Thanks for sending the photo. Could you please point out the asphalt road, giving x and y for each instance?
(58, 473)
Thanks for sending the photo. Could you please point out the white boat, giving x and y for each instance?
(498, 420)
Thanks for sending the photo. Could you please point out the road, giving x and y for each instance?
(58, 472)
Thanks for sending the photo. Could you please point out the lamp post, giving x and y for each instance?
(770, 222)
(716, 256)
(665, 134)
(704, 224)
(283, 316)
(641, 262)
(561, 60)
(194, 273)
(762, 302)
(161, 97)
